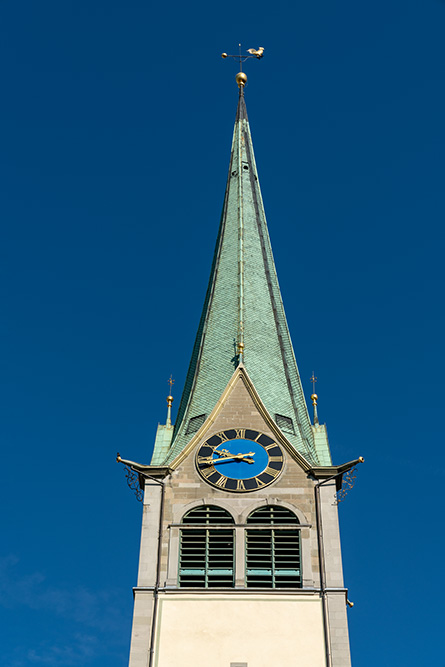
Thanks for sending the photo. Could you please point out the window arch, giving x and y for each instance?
(206, 553)
(273, 553)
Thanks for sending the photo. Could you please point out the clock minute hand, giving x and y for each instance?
(245, 457)
(236, 457)
(227, 455)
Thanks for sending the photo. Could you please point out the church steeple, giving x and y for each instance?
(240, 499)
(243, 320)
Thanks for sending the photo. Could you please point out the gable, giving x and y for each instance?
(240, 407)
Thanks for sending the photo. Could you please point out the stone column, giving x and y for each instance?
(148, 560)
(240, 558)
(335, 592)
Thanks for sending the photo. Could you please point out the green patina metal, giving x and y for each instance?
(243, 306)
(163, 440)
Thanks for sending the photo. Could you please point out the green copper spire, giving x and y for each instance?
(243, 319)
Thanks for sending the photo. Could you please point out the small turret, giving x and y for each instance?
(164, 433)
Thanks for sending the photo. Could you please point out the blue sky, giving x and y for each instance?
(116, 127)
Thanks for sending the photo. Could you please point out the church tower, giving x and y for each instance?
(240, 560)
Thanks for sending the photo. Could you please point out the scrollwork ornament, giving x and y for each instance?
(133, 482)
(348, 482)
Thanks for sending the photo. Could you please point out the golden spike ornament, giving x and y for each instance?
(171, 382)
(314, 398)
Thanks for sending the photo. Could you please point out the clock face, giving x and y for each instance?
(239, 460)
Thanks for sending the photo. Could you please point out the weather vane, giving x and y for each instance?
(171, 382)
(313, 380)
(241, 78)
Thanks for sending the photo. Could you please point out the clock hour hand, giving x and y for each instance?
(236, 457)
(224, 452)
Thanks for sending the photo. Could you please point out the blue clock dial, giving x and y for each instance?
(239, 460)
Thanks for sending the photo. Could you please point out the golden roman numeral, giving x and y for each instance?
(223, 436)
(270, 446)
(205, 459)
(259, 482)
(221, 482)
(240, 433)
(208, 471)
(240, 485)
(271, 471)
(276, 459)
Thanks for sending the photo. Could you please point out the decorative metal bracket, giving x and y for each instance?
(133, 482)
(348, 482)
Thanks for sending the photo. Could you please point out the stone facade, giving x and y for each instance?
(185, 489)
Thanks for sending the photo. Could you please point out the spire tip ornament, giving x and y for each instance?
(241, 78)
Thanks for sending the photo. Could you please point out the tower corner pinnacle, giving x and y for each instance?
(164, 434)
(170, 400)
(314, 399)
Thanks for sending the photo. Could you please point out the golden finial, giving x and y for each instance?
(314, 398)
(171, 382)
(241, 78)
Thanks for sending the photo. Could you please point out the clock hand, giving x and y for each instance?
(224, 452)
(236, 457)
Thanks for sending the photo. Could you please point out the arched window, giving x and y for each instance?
(273, 555)
(206, 555)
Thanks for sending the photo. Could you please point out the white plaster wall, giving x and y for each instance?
(262, 631)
